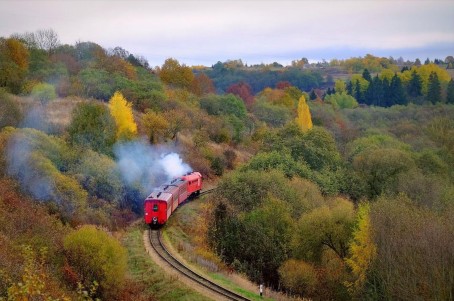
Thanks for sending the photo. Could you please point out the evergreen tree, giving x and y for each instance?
(350, 88)
(358, 94)
(374, 94)
(366, 75)
(434, 89)
(427, 61)
(397, 91)
(313, 96)
(387, 94)
(415, 85)
(450, 92)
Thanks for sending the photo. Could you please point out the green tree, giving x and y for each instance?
(397, 92)
(339, 86)
(380, 169)
(92, 126)
(414, 87)
(44, 92)
(450, 92)
(98, 175)
(324, 227)
(341, 101)
(94, 255)
(272, 115)
(366, 75)
(223, 105)
(434, 89)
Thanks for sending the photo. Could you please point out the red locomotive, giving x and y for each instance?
(160, 204)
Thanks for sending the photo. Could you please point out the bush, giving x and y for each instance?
(298, 277)
(10, 113)
(44, 92)
(94, 255)
(92, 126)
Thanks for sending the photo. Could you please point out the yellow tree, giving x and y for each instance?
(362, 250)
(121, 111)
(156, 125)
(304, 119)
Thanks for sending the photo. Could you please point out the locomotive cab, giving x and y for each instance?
(156, 208)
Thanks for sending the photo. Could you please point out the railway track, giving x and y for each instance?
(160, 249)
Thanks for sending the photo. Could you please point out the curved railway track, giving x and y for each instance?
(156, 243)
(160, 249)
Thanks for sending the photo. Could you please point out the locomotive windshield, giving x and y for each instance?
(155, 207)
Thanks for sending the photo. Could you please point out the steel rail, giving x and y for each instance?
(160, 249)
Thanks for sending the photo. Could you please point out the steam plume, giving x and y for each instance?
(148, 166)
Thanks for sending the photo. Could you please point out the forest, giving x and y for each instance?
(335, 179)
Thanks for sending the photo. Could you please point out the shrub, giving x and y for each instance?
(298, 277)
(44, 92)
(96, 256)
(10, 113)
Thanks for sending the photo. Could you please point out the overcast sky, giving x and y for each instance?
(204, 32)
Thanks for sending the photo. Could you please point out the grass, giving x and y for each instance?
(152, 281)
(227, 283)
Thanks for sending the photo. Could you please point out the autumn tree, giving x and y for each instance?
(304, 119)
(34, 284)
(363, 251)
(244, 91)
(14, 63)
(94, 255)
(155, 125)
(202, 85)
(121, 111)
(298, 277)
(176, 75)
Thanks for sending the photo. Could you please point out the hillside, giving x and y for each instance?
(335, 180)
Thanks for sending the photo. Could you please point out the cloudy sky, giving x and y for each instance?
(204, 32)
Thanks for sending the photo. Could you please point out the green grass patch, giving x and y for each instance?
(152, 280)
(227, 283)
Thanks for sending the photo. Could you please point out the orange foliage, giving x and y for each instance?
(17, 53)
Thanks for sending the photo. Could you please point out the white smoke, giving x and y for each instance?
(23, 167)
(148, 166)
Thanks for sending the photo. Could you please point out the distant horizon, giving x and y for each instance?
(201, 32)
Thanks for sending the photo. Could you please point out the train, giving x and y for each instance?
(164, 200)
